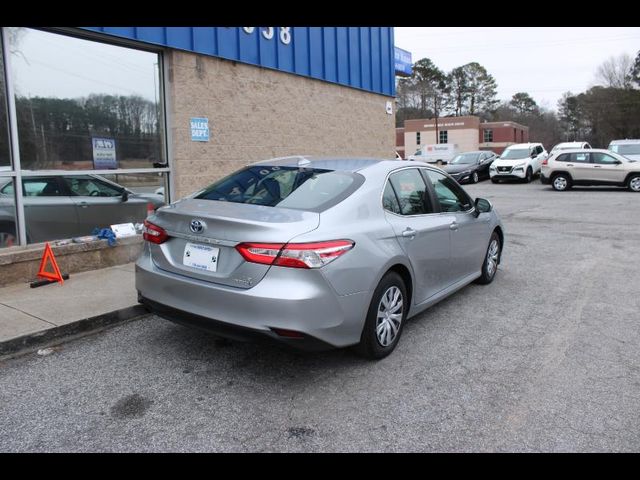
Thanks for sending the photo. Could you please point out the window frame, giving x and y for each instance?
(433, 206)
(434, 195)
(15, 172)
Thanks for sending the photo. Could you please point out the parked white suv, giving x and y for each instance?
(520, 161)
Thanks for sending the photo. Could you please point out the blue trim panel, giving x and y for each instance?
(358, 57)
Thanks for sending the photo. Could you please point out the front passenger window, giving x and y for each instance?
(411, 192)
(602, 158)
(450, 196)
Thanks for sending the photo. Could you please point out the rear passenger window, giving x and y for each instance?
(563, 158)
(580, 157)
(389, 200)
(411, 192)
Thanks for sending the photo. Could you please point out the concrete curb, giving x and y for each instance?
(33, 341)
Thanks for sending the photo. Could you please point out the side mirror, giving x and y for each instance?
(125, 195)
(617, 162)
(483, 206)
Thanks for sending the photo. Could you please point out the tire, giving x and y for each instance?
(374, 335)
(529, 175)
(561, 182)
(634, 183)
(7, 235)
(491, 260)
(474, 178)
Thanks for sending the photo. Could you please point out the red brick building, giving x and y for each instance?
(468, 132)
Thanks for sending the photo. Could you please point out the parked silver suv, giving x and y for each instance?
(590, 167)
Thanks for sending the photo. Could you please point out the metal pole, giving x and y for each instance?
(15, 146)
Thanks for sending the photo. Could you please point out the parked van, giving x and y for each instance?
(627, 148)
(439, 153)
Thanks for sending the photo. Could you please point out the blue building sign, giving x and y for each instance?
(358, 57)
(104, 153)
(199, 129)
(403, 64)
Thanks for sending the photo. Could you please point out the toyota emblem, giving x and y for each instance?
(197, 226)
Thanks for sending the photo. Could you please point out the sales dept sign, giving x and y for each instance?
(199, 129)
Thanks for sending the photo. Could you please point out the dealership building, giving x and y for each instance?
(468, 132)
(168, 110)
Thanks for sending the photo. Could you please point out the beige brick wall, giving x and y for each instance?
(256, 113)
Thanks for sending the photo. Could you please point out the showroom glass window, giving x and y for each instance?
(5, 150)
(444, 136)
(85, 105)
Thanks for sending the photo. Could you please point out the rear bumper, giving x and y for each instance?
(233, 332)
(544, 179)
(286, 298)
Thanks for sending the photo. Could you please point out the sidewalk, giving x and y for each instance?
(32, 317)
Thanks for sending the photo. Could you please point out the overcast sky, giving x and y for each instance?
(543, 61)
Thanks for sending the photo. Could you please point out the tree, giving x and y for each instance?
(615, 72)
(524, 104)
(473, 90)
(457, 79)
(635, 71)
(571, 117)
(432, 87)
(481, 89)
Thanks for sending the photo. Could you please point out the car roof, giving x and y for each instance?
(347, 164)
(569, 144)
(625, 141)
(523, 145)
(588, 150)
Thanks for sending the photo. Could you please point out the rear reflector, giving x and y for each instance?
(153, 233)
(295, 255)
(287, 333)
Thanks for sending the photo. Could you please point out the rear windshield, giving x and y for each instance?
(284, 187)
(628, 149)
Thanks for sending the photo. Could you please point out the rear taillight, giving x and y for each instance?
(295, 255)
(153, 233)
(545, 161)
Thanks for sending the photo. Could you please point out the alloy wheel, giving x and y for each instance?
(492, 258)
(634, 184)
(389, 316)
(560, 183)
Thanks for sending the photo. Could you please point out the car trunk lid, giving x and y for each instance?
(218, 227)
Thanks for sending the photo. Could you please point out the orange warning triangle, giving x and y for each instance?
(48, 255)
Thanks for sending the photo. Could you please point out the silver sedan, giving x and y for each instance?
(317, 252)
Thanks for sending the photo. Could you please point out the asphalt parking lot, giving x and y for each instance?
(546, 358)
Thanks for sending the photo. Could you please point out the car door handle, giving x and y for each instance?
(453, 226)
(569, 164)
(409, 233)
(83, 204)
(597, 166)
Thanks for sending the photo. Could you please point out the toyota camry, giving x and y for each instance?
(317, 252)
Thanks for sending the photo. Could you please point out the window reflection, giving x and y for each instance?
(5, 152)
(84, 105)
(8, 231)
